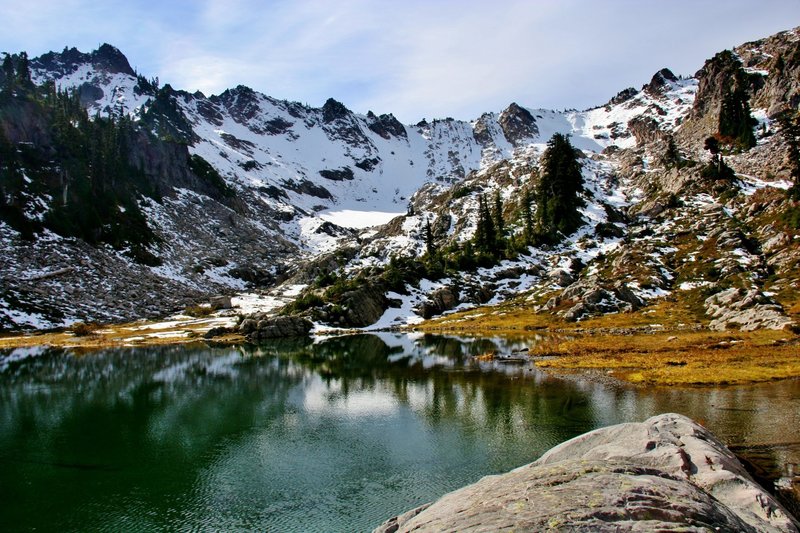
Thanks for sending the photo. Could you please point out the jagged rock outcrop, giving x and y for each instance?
(386, 126)
(334, 110)
(588, 297)
(646, 130)
(337, 174)
(439, 301)
(661, 80)
(720, 105)
(776, 60)
(481, 131)
(623, 96)
(517, 124)
(262, 326)
(106, 58)
(363, 306)
(667, 473)
(745, 310)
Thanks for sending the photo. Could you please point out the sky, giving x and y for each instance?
(414, 58)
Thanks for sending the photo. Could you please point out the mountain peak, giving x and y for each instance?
(107, 58)
(333, 109)
(517, 123)
(110, 59)
(660, 81)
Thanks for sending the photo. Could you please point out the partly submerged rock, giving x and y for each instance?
(667, 473)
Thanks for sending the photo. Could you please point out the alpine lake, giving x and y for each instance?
(324, 434)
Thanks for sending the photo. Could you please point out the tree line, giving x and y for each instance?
(81, 165)
(545, 214)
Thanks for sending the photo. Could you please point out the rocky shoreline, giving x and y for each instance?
(667, 473)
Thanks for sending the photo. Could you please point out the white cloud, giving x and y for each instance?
(414, 58)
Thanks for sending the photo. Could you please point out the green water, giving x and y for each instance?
(336, 435)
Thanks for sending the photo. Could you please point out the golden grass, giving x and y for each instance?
(141, 333)
(682, 358)
(516, 317)
(660, 344)
(504, 318)
(656, 345)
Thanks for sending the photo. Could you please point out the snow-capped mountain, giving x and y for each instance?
(300, 182)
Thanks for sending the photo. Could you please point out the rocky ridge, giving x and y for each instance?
(655, 227)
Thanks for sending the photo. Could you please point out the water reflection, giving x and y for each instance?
(332, 435)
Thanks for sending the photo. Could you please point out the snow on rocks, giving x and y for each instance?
(746, 310)
(312, 181)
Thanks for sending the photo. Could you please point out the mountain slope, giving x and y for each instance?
(249, 188)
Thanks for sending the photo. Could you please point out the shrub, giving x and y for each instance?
(304, 302)
(83, 329)
(198, 311)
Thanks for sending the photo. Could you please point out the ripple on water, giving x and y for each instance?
(334, 436)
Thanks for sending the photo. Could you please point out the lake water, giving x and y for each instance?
(334, 435)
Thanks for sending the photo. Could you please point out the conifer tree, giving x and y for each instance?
(23, 69)
(790, 129)
(735, 120)
(430, 245)
(485, 233)
(499, 224)
(527, 217)
(8, 75)
(557, 195)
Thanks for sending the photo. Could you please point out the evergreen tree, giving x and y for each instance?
(24, 70)
(790, 129)
(485, 233)
(430, 245)
(672, 156)
(527, 217)
(712, 145)
(8, 73)
(499, 224)
(735, 121)
(557, 199)
(716, 168)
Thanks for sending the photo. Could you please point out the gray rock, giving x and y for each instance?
(440, 300)
(665, 474)
(575, 312)
(275, 327)
(364, 306)
(745, 310)
(517, 124)
(561, 277)
(589, 298)
(220, 302)
(248, 325)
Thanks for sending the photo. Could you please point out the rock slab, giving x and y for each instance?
(260, 327)
(667, 473)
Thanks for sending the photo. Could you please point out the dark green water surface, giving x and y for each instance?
(333, 435)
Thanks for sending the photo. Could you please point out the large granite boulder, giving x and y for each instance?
(439, 301)
(258, 327)
(667, 473)
(363, 306)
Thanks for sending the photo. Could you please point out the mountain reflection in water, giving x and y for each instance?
(332, 434)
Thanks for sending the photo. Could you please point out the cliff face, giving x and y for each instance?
(239, 190)
(665, 474)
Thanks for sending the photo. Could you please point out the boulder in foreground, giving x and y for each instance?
(667, 473)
